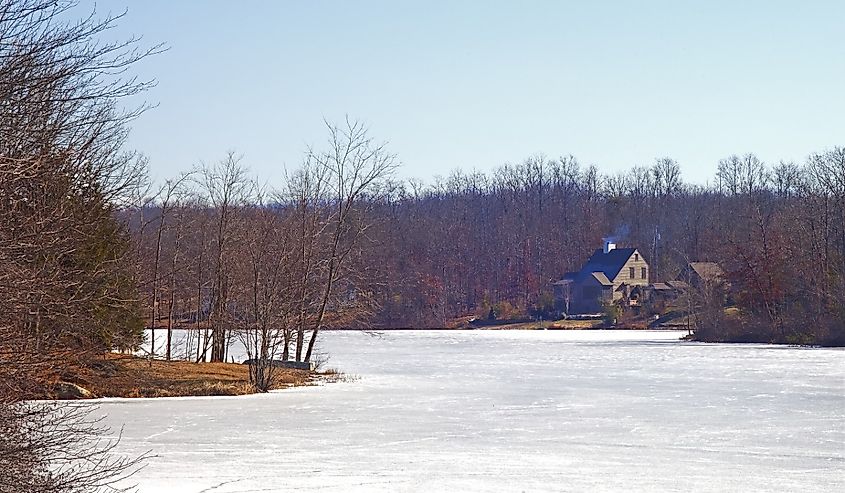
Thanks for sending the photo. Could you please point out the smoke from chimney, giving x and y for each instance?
(618, 235)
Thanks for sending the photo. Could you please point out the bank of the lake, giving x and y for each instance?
(743, 334)
(792, 338)
(123, 375)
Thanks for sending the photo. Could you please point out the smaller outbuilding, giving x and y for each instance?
(698, 274)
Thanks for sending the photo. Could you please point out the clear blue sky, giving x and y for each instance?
(472, 85)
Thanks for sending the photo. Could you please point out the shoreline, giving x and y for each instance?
(114, 375)
(687, 336)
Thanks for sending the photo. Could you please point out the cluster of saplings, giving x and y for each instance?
(235, 262)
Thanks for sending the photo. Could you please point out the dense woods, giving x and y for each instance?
(471, 242)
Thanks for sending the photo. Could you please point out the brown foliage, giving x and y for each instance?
(66, 288)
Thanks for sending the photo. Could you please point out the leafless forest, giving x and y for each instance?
(413, 255)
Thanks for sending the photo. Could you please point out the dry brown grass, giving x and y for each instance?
(546, 324)
(575, 324)
(116, 375)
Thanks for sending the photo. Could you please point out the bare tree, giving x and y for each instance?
(265, 289)
(168, 197)
(66, 283)
(227, 188)
(53, 448)
(333, 192)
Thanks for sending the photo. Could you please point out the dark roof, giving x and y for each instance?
(609, 263)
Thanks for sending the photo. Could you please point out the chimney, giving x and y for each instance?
(609, 244)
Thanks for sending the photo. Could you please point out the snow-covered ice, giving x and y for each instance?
(512, 411)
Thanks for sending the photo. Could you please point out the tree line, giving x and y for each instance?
(426, 254)
(471, 241)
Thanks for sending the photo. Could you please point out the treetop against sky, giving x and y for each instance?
(472, 85)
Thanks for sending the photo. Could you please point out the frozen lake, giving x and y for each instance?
(512, 411)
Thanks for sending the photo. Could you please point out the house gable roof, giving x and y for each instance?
(609, 263)
(601, 278)
(709, 271)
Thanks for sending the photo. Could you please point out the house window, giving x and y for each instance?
(630, 272)
(636, 257)
(645, 273)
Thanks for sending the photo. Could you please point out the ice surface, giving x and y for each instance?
(512, 411)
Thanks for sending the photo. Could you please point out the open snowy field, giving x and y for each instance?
(512, 411)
